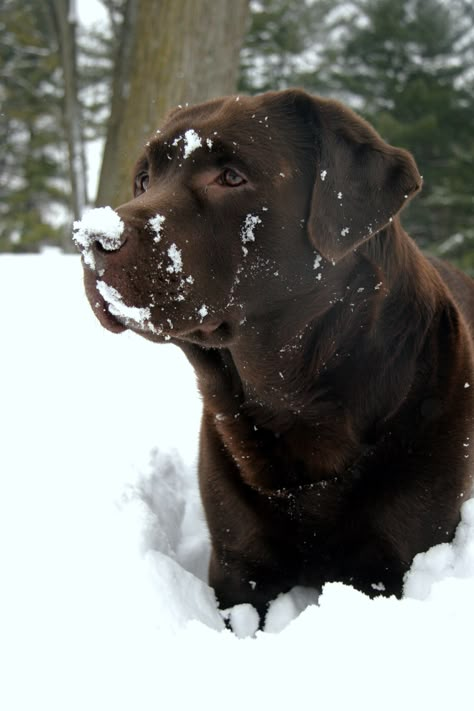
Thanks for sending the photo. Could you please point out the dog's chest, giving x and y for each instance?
(276, 457)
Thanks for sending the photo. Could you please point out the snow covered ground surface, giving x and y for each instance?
(103, 599)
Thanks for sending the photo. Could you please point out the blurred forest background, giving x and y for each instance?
(78, 99)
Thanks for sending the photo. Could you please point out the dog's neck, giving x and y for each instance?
(289, 360)
(288, 365)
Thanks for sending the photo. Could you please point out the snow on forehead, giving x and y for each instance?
(101, 223)
(192, 141)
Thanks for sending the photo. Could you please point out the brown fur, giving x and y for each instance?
(336, 416)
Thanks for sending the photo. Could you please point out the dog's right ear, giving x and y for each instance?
(361, 181)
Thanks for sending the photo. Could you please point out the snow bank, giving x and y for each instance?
(445, 561)
(166, 492)
(104, 548)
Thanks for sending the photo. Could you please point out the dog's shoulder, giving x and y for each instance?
(460, 288)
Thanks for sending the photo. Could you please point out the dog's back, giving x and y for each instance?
(461, 287)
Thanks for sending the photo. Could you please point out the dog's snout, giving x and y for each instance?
(106, 242)
(101, 230)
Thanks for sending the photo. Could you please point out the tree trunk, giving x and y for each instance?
(172, 52)
(65, 23)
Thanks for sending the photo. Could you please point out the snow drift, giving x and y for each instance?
(105, 603)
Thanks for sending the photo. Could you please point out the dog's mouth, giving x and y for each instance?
(117, 316)
(110, 308)
(105, 317)
(213, 333)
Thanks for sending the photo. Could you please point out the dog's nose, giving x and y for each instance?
(108, 242)
(101, 230)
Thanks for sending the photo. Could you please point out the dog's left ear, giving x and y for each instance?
(361, 181)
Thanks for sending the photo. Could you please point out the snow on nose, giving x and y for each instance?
(101, 226)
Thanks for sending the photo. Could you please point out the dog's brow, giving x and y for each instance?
(160, 150)
(141, 164)
(157, 152)
(224, 148)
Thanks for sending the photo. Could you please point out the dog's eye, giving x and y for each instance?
(230, 178)
(141, 183)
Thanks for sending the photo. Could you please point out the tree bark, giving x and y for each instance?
(172, 52)
(65, 22)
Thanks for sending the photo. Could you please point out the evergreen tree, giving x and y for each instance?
(284, 38)
(407, 67)
(38, 197)
(32, 182)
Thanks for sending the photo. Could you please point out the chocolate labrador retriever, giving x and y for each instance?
(335, 362)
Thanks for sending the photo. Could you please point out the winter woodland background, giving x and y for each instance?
(103, 546)
(76, 76)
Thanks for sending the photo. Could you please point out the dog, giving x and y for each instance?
(334, 360)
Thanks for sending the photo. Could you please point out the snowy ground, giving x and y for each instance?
(104, 548)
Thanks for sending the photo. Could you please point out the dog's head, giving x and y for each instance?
(239, 205)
